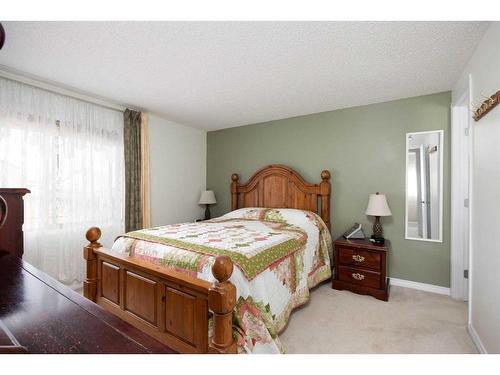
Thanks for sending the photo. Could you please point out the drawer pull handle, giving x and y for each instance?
(358, 276)
(358, 258)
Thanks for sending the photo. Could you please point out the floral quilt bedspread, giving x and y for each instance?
(279, 254)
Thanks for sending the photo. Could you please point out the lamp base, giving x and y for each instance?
(378, 231)
(207, 212)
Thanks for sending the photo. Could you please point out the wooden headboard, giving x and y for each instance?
(279, 186)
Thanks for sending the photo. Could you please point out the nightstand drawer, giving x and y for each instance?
(360, 277)
(357, 257)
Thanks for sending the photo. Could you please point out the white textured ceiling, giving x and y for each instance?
(214, 75)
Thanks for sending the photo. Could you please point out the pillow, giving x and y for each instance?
(271, 214)
(246, 213)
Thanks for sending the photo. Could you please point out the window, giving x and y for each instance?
(69, 153)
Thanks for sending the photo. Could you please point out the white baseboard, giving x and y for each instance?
(420, 286)
(477, 341)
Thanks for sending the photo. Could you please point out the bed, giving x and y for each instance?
(227, 285)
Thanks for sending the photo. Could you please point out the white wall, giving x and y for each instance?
(484, 70)
(178, 171)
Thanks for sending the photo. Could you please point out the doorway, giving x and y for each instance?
(460, 204)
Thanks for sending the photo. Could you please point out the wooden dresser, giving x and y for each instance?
(40, 315)
(361, 267)
(11, 232)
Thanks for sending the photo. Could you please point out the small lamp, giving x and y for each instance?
(207, 198)
(377, 206)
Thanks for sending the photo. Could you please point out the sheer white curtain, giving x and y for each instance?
(69, 153)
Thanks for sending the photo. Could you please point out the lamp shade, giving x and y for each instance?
(207, 197)
(377, 206)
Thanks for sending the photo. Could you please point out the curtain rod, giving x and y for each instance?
(61, 89)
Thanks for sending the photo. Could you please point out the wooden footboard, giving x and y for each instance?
(172, 307)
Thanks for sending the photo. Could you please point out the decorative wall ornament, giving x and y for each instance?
(486, 106)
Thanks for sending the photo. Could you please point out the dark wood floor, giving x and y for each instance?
(40, 315)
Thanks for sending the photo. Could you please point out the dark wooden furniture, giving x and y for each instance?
(2, 36)
(11, 221)
(40, 315)
(175, 308)
(361, 267)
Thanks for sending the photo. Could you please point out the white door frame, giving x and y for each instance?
(461, 146)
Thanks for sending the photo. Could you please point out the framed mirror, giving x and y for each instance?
(424, 186)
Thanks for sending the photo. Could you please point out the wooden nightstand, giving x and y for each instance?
(361, 267)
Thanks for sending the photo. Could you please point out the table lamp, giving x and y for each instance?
(377, 206)
(207, 198)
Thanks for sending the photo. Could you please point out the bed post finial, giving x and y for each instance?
(325, 191)
(325, 175)
(222, 268)
(93, 234)
(90, 283)
(234, 191)
(221, 301)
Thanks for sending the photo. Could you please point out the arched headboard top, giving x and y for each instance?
(279, 186)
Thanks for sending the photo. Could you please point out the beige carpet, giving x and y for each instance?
(411, 322)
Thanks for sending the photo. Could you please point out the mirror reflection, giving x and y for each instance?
(424, 164)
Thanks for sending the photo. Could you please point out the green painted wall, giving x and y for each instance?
(364, 148)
